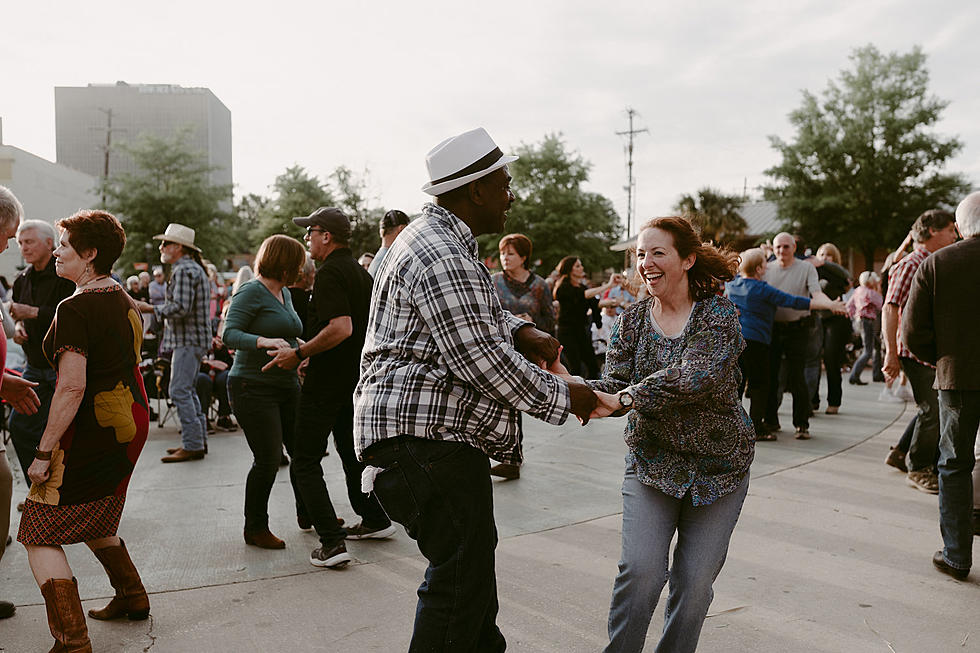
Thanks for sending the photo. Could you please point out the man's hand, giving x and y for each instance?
(839, 307)
(20, 333)
(284, 358)
(143, 307)
(536, 345)
(22, 311)
(19, 393)
(892, 367)
(583, 400)
(606, 405)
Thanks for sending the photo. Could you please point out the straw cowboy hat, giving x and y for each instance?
(178, 233)
(461, 159)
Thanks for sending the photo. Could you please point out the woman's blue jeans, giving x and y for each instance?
(650, 519)
(870, 351)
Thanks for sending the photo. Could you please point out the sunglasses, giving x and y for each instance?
(310, 230)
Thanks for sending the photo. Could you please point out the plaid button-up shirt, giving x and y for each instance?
(186, 309)
(899, 284)
(439, 360)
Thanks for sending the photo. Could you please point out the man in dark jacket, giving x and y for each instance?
(37, 291)
(940, 327)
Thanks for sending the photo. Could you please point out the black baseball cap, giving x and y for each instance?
(393, 218)
(330, 218)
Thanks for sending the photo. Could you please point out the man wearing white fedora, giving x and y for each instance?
(445, 372)
(187, 332)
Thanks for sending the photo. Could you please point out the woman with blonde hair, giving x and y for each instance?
(835, 330)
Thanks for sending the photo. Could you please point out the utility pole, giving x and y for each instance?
(630, 184)
(106, 148)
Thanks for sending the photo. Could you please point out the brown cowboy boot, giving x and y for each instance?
(65, 617)
(130, 600)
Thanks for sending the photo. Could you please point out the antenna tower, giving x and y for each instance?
(630, 183)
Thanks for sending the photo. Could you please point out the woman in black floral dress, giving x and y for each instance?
(96, 429)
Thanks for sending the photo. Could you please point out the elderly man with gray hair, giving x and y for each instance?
(12, 388)
(939, 325)
(36, 293)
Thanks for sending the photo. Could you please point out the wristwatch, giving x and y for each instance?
(298, 353)
(42, 455)
(625, 400)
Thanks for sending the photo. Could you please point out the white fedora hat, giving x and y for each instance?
(178, 233)
(461, 159)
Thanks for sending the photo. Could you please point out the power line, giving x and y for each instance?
(630, 183)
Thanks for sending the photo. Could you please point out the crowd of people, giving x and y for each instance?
(420, 363)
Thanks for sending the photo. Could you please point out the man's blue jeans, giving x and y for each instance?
(650, 519)
(26, 430)
(183, 375)
(924, 448)
(440, 491)
(959, 418)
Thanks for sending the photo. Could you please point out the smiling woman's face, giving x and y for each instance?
(658, 263)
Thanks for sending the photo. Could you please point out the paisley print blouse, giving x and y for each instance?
(688, 432)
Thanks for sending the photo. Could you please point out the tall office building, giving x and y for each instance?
(89, 117)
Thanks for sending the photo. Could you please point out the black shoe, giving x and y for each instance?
(225, 423)
(7, 609)
(857, 382)
(210, 429)
(335, 556)
(283, 460)
(943, 566)
(772, 428)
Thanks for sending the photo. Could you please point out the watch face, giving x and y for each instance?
(626, 399)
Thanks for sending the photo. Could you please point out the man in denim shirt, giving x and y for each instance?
(187, 332)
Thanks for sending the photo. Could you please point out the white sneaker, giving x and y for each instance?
(904, 393)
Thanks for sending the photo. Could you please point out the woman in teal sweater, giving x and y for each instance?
(261, 317)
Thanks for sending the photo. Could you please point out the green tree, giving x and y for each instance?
(865, 162)
(351, 190)
(294, 193)
(553, 210)
(171, 184)
(715, 213)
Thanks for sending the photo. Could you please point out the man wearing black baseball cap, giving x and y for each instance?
(335, 327)
(391, 225)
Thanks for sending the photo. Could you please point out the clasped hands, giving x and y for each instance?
(544, 351)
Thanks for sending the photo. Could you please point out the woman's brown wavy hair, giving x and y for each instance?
(712, 265)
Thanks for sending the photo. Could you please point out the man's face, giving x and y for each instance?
(169, 252)
(34, 248)
(317, 238)
(6, 235)
(942, 237)
(158, 276)
(784, 247)
(497, 198)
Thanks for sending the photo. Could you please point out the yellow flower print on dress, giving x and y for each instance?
(47, 492)
(115, 408)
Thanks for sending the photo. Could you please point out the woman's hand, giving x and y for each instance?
(38, 471)
(606, 404)
(272, 343)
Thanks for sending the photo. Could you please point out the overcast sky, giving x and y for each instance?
(376, 84)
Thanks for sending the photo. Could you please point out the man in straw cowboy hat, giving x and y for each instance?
(187, 332)
(445, 372)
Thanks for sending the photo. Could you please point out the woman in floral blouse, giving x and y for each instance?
(527, 296)
(672, 365)
(522, 292)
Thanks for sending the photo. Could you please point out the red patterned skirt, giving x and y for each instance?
(43, 524)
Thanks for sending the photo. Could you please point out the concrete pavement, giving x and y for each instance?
(832, 553)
